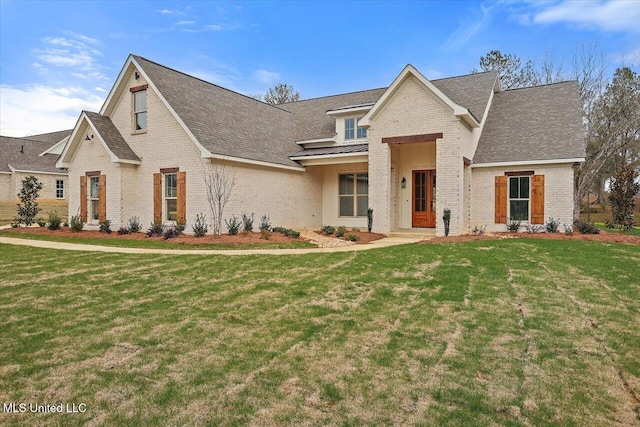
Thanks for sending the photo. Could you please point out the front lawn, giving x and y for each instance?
(495, 332)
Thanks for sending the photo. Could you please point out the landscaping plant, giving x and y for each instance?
(552, 225)
(623, 190)
(200, 227)
(327, 229)
(513, 225)
(264, 223)
(134, 224)
(247, 222)
(105, 226)
(369, 219)
(446, 218)
(54, 220)
(233, 225)
(28, 208)
(75, 224)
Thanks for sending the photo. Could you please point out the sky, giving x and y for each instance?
(60, 57)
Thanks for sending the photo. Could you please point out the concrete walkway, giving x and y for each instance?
(382, 243)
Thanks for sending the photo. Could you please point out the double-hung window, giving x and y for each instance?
(94, 195)
(59, 188)
(140, 110)
(171, 196)
(519, 196)
(354, 194)
(352, 131)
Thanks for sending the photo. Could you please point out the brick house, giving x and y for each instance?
(408, 151)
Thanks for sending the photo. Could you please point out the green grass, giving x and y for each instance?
(634, 232)
(505, 332)
(154, 244)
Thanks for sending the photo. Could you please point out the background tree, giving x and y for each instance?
(512, 74)
(28, 207)
(281, 93)
(623, 189)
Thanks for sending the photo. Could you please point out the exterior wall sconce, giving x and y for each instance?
(403, 183)
(136, 75)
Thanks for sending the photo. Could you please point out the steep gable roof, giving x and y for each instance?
(24, 154)
(535, 123)
(225, 123)
(470, 90)
(51, 137)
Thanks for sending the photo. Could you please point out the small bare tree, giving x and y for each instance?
(219, 182)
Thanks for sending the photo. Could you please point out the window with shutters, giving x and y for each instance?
(519, 197)
(171, 196)
(94, 198)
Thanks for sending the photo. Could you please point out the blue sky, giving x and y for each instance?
(57, 58)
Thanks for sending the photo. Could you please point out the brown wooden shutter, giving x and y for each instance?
(537, 199)
(157, 198)
(501, 200)
(102, 198)
(83, 198)
(182, 197)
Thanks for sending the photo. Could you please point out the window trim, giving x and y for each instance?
(166, 198)
(356, 130)
(355, 195)
(519, 176)
(60, 188)
(134, 116)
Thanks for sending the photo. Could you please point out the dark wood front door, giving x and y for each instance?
(423, 195)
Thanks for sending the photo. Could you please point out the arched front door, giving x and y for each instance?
(424, 199)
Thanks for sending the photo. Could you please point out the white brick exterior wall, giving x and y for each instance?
(11, 183)
(558, 193)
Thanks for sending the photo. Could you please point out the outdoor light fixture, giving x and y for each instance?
(136, 75)
(403, 183)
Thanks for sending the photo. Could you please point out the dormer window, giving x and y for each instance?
(139, 108)
(351, 132)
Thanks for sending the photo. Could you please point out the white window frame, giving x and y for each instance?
(60, 188)
(357, 130)
(94, 211)
(136, 112)
(166, 198)
(354, 196)
(519, 198)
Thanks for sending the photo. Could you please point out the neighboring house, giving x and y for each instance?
(33, 155)
(496, 154)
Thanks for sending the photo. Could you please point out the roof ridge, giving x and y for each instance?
(20, 138)
(542, 85)
(463, 75)
(209, 83)
(336, 94)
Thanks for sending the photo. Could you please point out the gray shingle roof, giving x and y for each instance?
(471, 91)
(51, 138)
(29, 159)
(112, 136)
(223, 121)
(338, 149)
(537, 123)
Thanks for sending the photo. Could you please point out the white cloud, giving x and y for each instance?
(469, 26)
(264, 76)
(222, 27)
(40, 109)
(76, 51)
(185, 22)
(605, 15)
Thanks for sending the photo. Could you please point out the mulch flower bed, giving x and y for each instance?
(225, 239)
(363, 236)
(602, 237)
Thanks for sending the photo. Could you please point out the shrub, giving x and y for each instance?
(124, 230)
(568, 229)
(369, 219)
(341, 231)
(171, 232)
(66, 224)
(265, 223)
(156, 229)
(105, 226)
(446, 218)
(134, 224)
(180, 226)
(587, 227)
(233, 225)
(352, 238)
(291, 233)
(479, 230)
(41, 222)
(28, 195)
(609, 224)
(327, 229)
(278, 229)
(265, 234)
(533, 229)
(513, 225)
(623, 189)
(76, 224)
(200, 227)
(54, 220)
(552, 225)
(247, 222)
